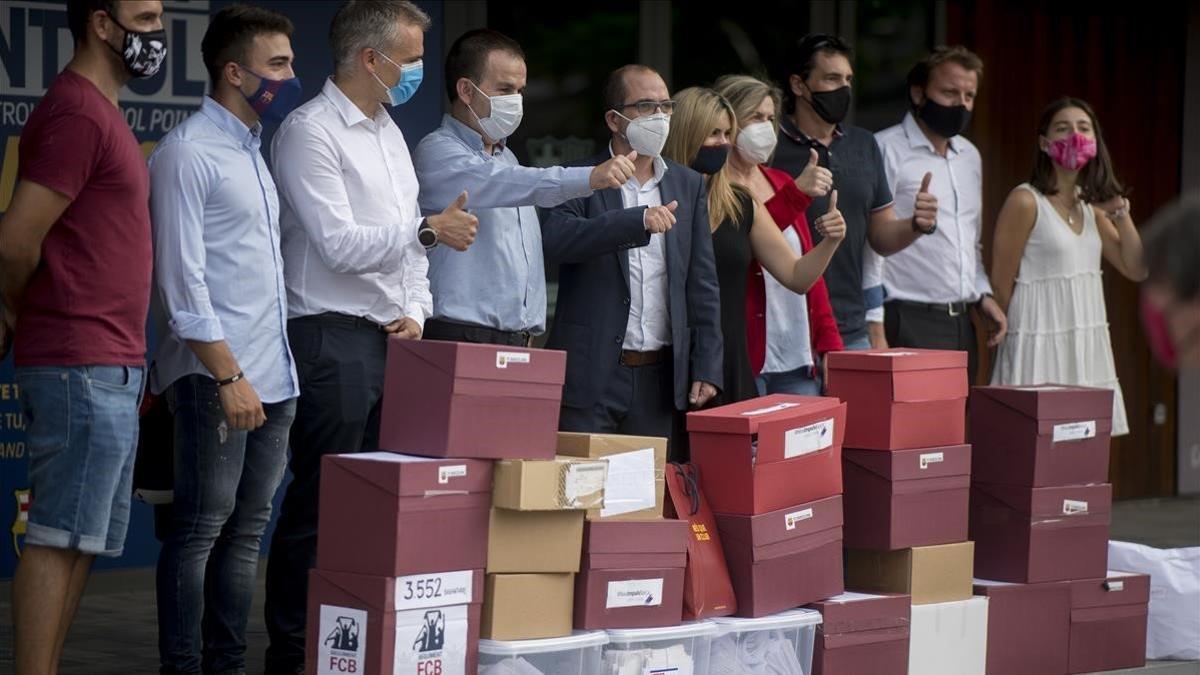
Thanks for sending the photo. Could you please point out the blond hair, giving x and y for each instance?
(697, 111)
(745, 93)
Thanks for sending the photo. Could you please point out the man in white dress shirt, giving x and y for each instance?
(353, 244)
(933, 284)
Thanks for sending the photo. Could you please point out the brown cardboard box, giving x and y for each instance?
(623, 482)
(928, 573)
(528, 606)
(529, 542)
(562, 483)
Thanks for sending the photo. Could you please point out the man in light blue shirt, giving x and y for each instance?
(495, 291)
(224, 364)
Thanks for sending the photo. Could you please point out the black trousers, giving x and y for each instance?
(638, 401)
(453, 331)
(931, 327)
(340, 361)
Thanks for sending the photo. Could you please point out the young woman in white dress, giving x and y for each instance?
(1050, 237)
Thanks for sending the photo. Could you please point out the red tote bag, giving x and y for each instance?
(707, 590)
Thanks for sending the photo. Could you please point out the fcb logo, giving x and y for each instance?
(21, 520)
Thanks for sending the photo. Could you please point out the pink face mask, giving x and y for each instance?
(1072, 152)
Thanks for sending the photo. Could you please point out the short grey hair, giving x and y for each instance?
(362, 24)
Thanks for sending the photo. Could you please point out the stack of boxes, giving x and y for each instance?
(907, 489)
(770, 469)
(1040, 509)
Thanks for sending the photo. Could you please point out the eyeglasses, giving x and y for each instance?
(651, 107)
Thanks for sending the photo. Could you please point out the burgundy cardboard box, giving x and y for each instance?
(1108, 622)
(862, 633)
(784, 559)
(768, 453)
(898, 499)
(901, 398)
(417, 625)
(1031, 535)
(452, 399)
(632, 574)
(1043, 435)
(388, 514)
(1029, 627)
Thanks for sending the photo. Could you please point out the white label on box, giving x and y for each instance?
(791, 519)
(634, 593)
(505, 358)
(931, 458)
(445, 473)
(434, 590)
(343, 636)
(774, 408)
(1114, 586)
(431, 641)
(629, 486)
(809, 439)
(1071, 507)
(1074, 431)
(583, 479)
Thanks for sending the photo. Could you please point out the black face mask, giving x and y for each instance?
(945, 121)
(831, 106)
(711, 158)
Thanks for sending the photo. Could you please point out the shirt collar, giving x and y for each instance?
(918, 139)
(789, 129)
(660, 165)
(467, 135)
(350, 113)
(226, 121)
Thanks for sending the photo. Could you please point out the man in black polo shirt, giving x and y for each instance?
(817, 97)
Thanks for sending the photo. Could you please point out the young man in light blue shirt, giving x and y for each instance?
(494, 291)
(224, 364)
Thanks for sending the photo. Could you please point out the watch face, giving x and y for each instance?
(427, 236)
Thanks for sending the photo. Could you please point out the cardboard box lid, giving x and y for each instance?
(548, 484)
(464, 361)
(635, 536)
(595, 446)
(897, 359)
(1116, 589)
(412, 591)
(782, 525)
(1052, 502)
(990, 587)
(906, 465)
(744, 417)
(853, 611)
(411, 476)
(1052, 401)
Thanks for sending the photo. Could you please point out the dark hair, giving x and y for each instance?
(802, 58)
(1172, 245)
(80, 11)
(918, 76)
(231, 32)
(1096, 180)
(469, 54)
(615, 89)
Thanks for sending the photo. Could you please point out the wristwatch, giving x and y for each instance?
(426, 234)
(916, 228)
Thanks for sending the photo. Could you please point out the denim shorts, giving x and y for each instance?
(81, 437)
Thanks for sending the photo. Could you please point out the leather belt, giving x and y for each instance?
(948, 308)
(635, 359)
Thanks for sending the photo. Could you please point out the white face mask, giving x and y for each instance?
(505, 117)
(757, 141)
(647, 135)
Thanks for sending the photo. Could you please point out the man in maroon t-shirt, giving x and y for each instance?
(75, 258)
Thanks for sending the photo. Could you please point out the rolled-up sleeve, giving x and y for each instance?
(309, 175)
(179, 184)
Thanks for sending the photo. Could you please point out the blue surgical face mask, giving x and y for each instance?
(274, 99)
(406, 86)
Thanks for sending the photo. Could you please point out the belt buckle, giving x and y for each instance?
(951, 310)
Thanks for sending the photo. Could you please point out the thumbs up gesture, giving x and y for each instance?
(614, 173)
(815, 180)
(659, 219)
(455, 226)
(831, 225)
(925, 210)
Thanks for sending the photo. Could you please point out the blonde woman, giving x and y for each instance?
(703, 130)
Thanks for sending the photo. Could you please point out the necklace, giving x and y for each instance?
(1070, 211)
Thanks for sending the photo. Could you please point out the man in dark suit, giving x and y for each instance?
(638, 307)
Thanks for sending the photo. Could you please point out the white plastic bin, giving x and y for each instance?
(577, 654)
(780, 644)
(677, 650)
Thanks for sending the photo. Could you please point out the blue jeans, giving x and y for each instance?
(81, 434)
(224, 482)
(800, 381)
(858, 344)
